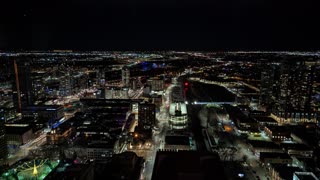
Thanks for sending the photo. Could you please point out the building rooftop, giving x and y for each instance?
(257, 113)
(295, 146)
(265, 119)
(245, 119)
(177, 140)
(187, 165)
(284, 171)
(305, 176)
(263, 144)
(17, 128)
(264, 155)
(124, 166)
(178, 106)
(307, 135)
(42, 107)
(281, 129)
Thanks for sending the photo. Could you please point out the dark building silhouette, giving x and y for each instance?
(3, 142)
(187, 165)
(22, 88)
(267, 83)
(124, 166)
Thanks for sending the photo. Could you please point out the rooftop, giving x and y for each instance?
(263, 144)
(42, 107)
(177, 140)
(284, 171)
(187, 165)
(295, 146)
(264, 155)
(178, 106)
(305, 176)
(17, 128)
(265, 119)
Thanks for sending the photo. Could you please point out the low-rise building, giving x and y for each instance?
(17, 135)
(278, 133)
(246, 124)
(298, 150)
(275, 158)
(124, 166)
(60, 134)
(50, 113)
(308, 136)
(265, 121)
(187, 165)
(264, 146)
(256, 113)
(282, 172)
(95, 147)
(304, 176)
(177, 143)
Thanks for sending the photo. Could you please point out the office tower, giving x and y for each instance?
(146, 115)
(100, 76)
(92, 78)
(178, 116)
(64, 74)
(296, 86)
(126, 76)
(22, 86)
(266, 84)
(7, 109)
(3, 141)
(156, 83)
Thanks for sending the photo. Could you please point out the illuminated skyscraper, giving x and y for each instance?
(178, 116)
(126, 76)
(266, 85)
(296, 87)
(146, 115)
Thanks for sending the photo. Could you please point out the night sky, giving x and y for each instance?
(159, 25)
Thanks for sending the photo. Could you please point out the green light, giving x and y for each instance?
(25, 171)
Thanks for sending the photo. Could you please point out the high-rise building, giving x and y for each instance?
(3, 142)
(156, 83)
(296, 87)
(126, 76)
(65, 85)
(146, 115)
(22, 88)
(178, 116)
(266, 84)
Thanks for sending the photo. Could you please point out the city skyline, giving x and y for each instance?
(159, 115)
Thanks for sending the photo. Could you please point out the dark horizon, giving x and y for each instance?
(159, 25)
